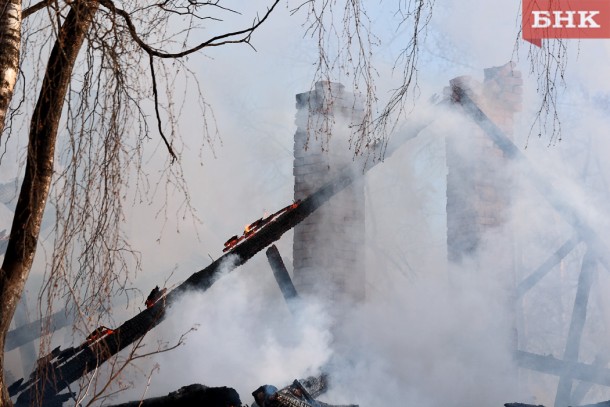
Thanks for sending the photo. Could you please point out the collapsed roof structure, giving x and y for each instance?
(482, 211)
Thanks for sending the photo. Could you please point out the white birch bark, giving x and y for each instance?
(10, 39)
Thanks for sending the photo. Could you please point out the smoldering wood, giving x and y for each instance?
(577, 323)
(198, 395)
(59, 373)
(280, 272)
(534, 278)
(601, 404)
(316, 385)
(27, 333)
(294, 395)
(194, 395)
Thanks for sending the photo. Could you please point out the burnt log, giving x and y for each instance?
(58, 374)
(282, 277)
(194, 395)
(27, 333)
(601, 404)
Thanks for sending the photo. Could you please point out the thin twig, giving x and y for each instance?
(212, 42)
(154, 83)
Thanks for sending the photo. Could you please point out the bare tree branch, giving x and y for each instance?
(35, 7)
(235, 37)
(159, 124)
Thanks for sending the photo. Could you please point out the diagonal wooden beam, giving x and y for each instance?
(282, 277)
(551, 365)
(569, 213)
(530, 281)
(577, 324)
(59, 372)
(27, 333)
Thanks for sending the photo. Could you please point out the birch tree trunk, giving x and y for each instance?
(39, 168)
(10, 40)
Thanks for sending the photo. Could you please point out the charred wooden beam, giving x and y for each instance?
(27, 333)
(579, 316)
(530, 281)
(192, 395)
(316, 385)
(281, 275)
(557, 367)
(553, 197)
(601, 404)
(60, 373)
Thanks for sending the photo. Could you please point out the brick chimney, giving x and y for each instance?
(478, 183)
(328, 248)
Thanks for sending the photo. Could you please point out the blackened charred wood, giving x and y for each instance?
(51, 379)
(601, 404)
(273, 231)
(194, 395)
(27, 333)
(281, 275)
(316, 385)
(294, 395)
(61, 373)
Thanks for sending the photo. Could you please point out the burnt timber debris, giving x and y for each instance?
(300, 393)
(193, 395)
(255, 226)
(293, 395)
(155, 295)
(281, 276)
(27, 333)
(60, 371)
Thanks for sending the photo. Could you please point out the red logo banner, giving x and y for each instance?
(565, 19)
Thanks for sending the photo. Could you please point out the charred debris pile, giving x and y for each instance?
(301, 393)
